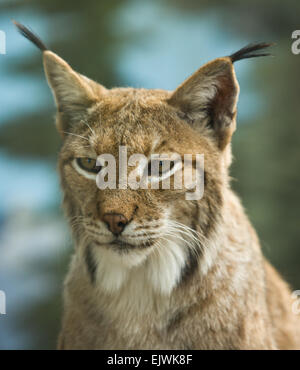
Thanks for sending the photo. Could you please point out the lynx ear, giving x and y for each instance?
(73, 93)
(209, 97)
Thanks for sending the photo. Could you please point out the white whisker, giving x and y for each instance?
(80, 136)
(92, 131)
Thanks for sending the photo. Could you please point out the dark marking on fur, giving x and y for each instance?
(142, 227)
(90, 263)
(191, 265)
(175, 321)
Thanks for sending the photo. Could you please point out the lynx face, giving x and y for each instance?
(147, 232)
(155, 234)
(133, 224)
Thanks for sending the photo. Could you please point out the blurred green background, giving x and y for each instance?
(152, 44)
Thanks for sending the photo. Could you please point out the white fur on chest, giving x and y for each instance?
(159, 268)
(139, 282)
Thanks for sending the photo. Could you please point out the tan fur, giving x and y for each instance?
(166, 295)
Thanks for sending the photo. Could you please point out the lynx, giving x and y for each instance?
(152, 270)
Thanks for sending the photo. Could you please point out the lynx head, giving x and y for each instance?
(125, 229)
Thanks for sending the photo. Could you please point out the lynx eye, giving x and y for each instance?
(88, 164)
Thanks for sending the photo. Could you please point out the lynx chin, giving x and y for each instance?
(151, 269)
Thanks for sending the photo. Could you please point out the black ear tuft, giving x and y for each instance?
(250, 51)
(30, 36)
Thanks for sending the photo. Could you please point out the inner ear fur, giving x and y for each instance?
(73, 92)
(209, 97)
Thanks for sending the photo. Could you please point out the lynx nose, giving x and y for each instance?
(115, 222)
